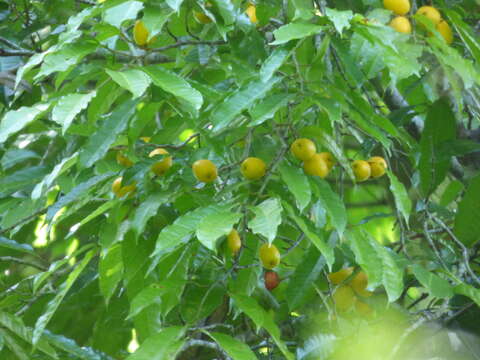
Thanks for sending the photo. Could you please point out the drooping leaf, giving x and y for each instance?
(149, 295)
(400, 194)
(267, 108)
(161, 346)
(435, 285)
(13, 245)
(146, 210)
(110, 270)
(274, 62)
(297, 183)
(133, 80)
(468, 291)
(267, 219)
(15, 120)
(467, 219)
(339, 18)
(294, 31)
(70, 106)
(213, 226)
(236, 349)
(332, 203)
(392, 275)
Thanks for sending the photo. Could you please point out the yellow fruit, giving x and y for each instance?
(140, 33)
(329, 159)
(234, 242)
(431, 13)
(252, 13)
(101, 1)
(401, 24)
(146, 139)
(205, 170)
(123, 160)
(303, 149)
(120, 190)
(162, 166)
(344, 298)
(378, 166)
(361, 170)
(340, 276)
(269, 255)
(363, 309)
(201, 17)
(316, 166)
(399, 7)
(359, 284)
(446, 31)
(253, 168)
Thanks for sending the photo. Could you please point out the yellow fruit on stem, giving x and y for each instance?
(316, 166)
(446, 31)
(269, 255)
(340, 276)
(234, 242)
(344, 298)
(399, 7)
(140, 33)
(123, 160)
(252, 13)
(361, 170)
(431, 13)
(205, 171)
(378, 166)
(120, 191)
(329, 159)
(401, 24)
(162, 166)
(303, 149)
(253, 168)
(201, 17)
(359, 284)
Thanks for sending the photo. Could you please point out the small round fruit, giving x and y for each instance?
(344, 298)
(140, 33)
(446, 31)
(271, 280)
(201, 17)
(162, 166)
(123, 160)
(361, 170)
(378, 166)
(205, 171)
(316, 166)
(269, 255)
(340, 276)
(253, 168)
(399, 7)
(363, 309)
(252, 13)
(401, 24)
(234, 242)
(359, 284)
(303, 149)
(120, 191)
(431, 13)
(329, 159)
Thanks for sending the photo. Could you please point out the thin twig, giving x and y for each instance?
(21, 221)
(188, 42)
(23, 262)
(172, 146)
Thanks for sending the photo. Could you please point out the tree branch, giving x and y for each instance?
(188, 42)
(7, 53)
(26, 219)
(23, 262)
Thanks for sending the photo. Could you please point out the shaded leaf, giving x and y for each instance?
(161, 346)
(110, 270)
(467, 219)
(436, 286)
(236, 349)
(400, 194)
(332, 203)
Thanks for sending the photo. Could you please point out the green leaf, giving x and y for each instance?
(332, 203)
(99, 143)
(274, 61)
(314, 236)
(161, 346)
(239, 101)
(294, 31)
(174, 4)
(128, 10)
(110, 270)
(297, 183)
(13, 245)
(267, 108)
(366, 255)
(339, 18)
(467, 219)
(267, 219)
(98, 211)
(133, 80)
(147, 209)
(14, 346)
(70, 106)
(14, 156)
(304, 9)
(149, 295)
(392, 275)
(236, 349)
(53, 305)
(174, 84)
(22, 178)
(69, 346)
(155, 18)
(436, 286)
(304, 276)
(468, 291)
(213, 226)
(15, 120)
(440, 126)
(58, 170)
(400, 194)
(451, 193)
(470, 39)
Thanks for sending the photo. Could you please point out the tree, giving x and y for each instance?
(91, 90)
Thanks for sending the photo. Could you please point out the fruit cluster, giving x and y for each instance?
(402, 24)
(348, 292)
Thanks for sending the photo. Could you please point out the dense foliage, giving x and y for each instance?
(89, 89)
